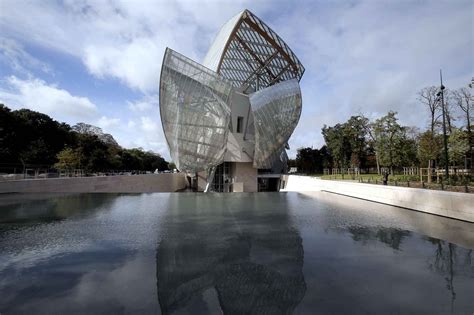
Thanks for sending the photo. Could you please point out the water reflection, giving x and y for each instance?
(216, 256)
(446, 259)
(231, 253)
(450, 260)
(78, 253)
(33, 208)
(391, 236)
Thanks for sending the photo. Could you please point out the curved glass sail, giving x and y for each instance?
(276, 112)
(194, 112)
(249, 53)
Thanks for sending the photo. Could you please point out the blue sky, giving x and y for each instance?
(99, 61)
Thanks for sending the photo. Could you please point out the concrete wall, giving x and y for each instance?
(449, 204)
(201, 181)
(120, 184)
(245, 173)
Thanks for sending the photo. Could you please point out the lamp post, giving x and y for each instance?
(445, 137)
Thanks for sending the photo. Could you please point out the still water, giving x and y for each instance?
(265, 253)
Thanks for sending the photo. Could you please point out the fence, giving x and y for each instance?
(31, 172)
(420, 184)
(410, 171)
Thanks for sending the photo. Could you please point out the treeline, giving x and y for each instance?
(363, 143)
(32, 138)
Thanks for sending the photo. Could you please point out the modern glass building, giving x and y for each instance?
(227, 121)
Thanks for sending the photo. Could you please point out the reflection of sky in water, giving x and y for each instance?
(236, 253)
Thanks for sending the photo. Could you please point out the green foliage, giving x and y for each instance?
(312, 161)
(29, 137)
(356, 133)
(137, 159)
(347, 142)
(392, 144)
(68, 159)
(458, 146)
(429, 147)
(338, 144)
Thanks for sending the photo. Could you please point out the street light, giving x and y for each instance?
(440, 94)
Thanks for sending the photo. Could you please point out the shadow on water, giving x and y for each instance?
(217, 257)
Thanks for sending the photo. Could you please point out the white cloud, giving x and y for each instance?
(360, 57)
(149, 125)
(13, 55)
(371, 57)
(122, 39)
(105, 122)
(37, 95)
(131, 124)
(144, 104)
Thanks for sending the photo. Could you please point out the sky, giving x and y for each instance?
(98, 61)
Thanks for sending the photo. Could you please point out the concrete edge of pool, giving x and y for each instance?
(453, 205)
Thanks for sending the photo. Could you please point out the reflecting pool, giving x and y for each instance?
(262, 253)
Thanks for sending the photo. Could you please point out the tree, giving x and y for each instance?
(391, 144)
(429, 148)
(87, 129)
(428, 97)
(356, 133)
(172, 166)
(458, 145)
(9, 144)
(68, 159)
(449, 110)
(371, 141)
(326, 157)
(465, 102)
(30, 137)
(338, 144)
(94, 154)
(312, 161)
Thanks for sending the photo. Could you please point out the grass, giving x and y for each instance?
(365, 177)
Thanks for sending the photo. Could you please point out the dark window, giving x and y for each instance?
(240, 124)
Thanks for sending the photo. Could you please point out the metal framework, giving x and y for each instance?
(276, 112)
(195, 100)
(249, 53)
(194, 112)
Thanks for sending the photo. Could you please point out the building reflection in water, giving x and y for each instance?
(229, 259)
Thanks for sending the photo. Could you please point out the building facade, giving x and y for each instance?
(227, 121)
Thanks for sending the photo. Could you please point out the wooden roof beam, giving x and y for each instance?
(251, 53)
(264, 65)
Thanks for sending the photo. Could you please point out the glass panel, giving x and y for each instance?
(276, 112)
(222, 177)
(254, 48)
(194, 112)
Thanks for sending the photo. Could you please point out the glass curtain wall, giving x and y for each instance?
(276, 111)
(194, 111)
